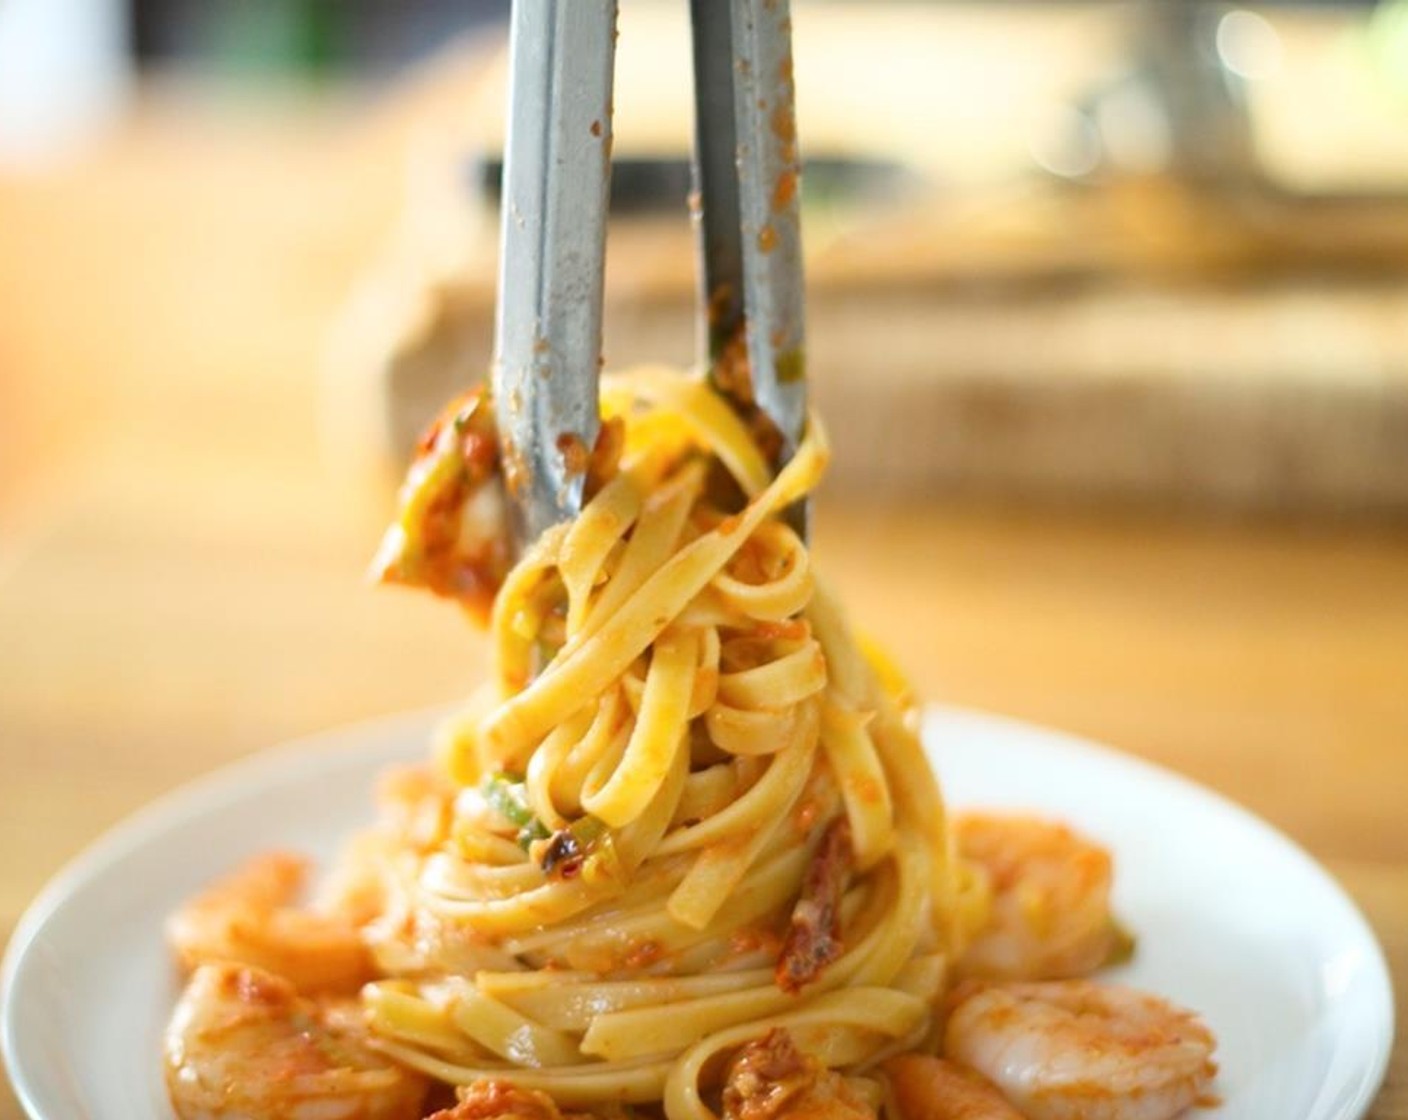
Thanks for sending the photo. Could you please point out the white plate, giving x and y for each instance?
(1232, 918)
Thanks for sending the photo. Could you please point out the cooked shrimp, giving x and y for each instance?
(450, 533)
(415, 806)
(243, 1045)
(357, 885)
(928, 1088)
(247, 918)
(1050, 899)
(1073, 1050)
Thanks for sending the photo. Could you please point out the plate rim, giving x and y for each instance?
(190, 798)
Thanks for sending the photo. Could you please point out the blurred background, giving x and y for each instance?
(1146, 250)
(1108, 312)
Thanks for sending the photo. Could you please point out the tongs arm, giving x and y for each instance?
(557, 175)
(747, 174)
(556, 186)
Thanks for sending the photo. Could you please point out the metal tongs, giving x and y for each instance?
(557, 174)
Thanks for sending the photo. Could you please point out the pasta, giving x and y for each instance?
(682, 853)
(681, 706)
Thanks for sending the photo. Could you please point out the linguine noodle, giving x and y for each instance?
(725, 823)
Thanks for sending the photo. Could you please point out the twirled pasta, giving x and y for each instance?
(681, 854)
(683, 812)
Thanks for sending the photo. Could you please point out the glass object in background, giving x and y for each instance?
(64, 73)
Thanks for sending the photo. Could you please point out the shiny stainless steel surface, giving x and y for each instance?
(557, 168)
(747, 171)
(1177, 51)
(1180, 107)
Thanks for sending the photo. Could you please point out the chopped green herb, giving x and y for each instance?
(531, 833)
(1122, 943)
(507, 796)
(791, 366)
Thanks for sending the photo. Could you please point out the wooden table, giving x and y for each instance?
(180, 570)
